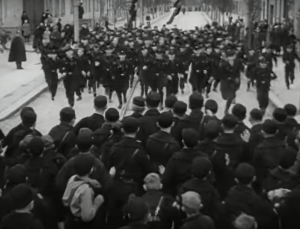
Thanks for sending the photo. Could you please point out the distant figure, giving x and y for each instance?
(24, 17)
(4, 38)
(59, 25)
(45, 15)
(17, 50)
(26, 31)
(80, 10)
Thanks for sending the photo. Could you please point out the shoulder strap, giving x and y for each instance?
(158, 206)
(126, 162)
(62, 141)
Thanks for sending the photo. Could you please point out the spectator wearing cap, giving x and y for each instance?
(243, 198)
(281, 176)
(138, 213)
(240, 112)
(193, 120)
(138, 107)
(291, 124)
(280, 117)
(29, 118)
(211, 130)
(169, 103)
(80, 197)
(148, 121)
(211, 110)
(201, 184)
(180, 164)
(256, 119)
(268, 153)
(179, 114)
(23, 201)
(156, 199)
(107, 135)
(128, 164)
(16, 176)
(162, 145)
(229, 142)
(191, 205)
(63, 134)
(96, 120)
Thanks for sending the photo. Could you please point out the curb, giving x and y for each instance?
(7, 113)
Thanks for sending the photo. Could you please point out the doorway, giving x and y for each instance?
(34, 10)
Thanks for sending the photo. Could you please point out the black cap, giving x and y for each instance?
(239, 111)
(212, 129)
(196, 101)
(170, 101)
(36, 146)
(244, 173)
(256, 114)
(67, 114)
(84, 139)
(16, 175)
(229, 121)
(153, 99)
(190, 137)
(180, 108)
(130, 125)
(29, 118)
(22, 195)
(137, 209)
(269, 126)
(138, 101)
(165, 120)
(100, 102)
(112, 115)
(83, 164)
(24, 110)
(290, 109)
(201, 167)
(211, 105)
(279, 114)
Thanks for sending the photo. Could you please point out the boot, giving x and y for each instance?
(120, 101)
(125, 99)
(79, 98)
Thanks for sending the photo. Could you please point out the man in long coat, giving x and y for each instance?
(17, 50)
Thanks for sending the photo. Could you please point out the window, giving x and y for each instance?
(89, 5)
(56, 8)
(63, 8)
(72, 6)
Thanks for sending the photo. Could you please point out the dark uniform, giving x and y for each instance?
(289, 60)
(51, 64)
(70, 80)
(251, 65)
(173, 68)
(121, 71)
(200, 72)
(263, 77)
(145, 62)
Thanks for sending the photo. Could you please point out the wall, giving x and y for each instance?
(11, 12)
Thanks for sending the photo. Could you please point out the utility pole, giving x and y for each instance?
(76, 20)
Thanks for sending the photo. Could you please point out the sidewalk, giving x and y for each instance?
(20, 87)
(279, 94)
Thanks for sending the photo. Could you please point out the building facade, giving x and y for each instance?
(11, 10)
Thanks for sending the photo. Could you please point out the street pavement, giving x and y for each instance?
(279, 94)
(48, 111)
(19, 87)
(28, 83)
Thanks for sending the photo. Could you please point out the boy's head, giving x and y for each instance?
(245, 174)
(152, 182)
(22, 197)
(83, 164)
(191, 202)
